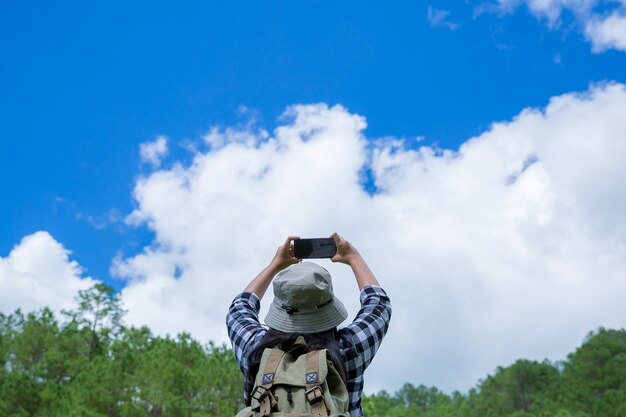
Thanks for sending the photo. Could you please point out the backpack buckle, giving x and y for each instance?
(313, 395)
(259, 393)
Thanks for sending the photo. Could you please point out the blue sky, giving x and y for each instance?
(83, 84)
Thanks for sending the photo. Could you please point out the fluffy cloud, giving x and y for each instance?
(605, 28)
(608, 32)
(37, 273)
(512, 246)
(153, 152)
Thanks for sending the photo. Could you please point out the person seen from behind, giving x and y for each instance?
(305, 305)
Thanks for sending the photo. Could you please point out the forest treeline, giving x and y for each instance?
(87, 364)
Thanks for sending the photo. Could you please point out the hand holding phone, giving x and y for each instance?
(324, 247)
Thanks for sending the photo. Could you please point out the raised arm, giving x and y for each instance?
(282, 259)
(347, 254)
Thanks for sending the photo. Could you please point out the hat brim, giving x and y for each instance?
(320, 320)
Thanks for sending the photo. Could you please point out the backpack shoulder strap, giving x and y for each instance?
(314, 393)
(262, 398)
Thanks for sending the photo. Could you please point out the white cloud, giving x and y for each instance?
(439, 18)
(605, 29)
(38, 273)
(551, 10)
(513, 246)
(153, 152)
(608, 32)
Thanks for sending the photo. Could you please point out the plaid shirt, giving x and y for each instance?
(358, 342)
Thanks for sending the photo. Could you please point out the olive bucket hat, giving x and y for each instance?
(304, 301)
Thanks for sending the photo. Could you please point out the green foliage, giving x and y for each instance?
(592, 383)
(91, 365)
(99, 313)
(524, 388)
(594, 377)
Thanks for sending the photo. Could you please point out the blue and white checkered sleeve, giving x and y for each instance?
(244, 327)
(368, 329)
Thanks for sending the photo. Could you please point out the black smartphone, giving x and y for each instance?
(324, 247)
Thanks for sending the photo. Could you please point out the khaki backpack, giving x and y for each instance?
(289, 384)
